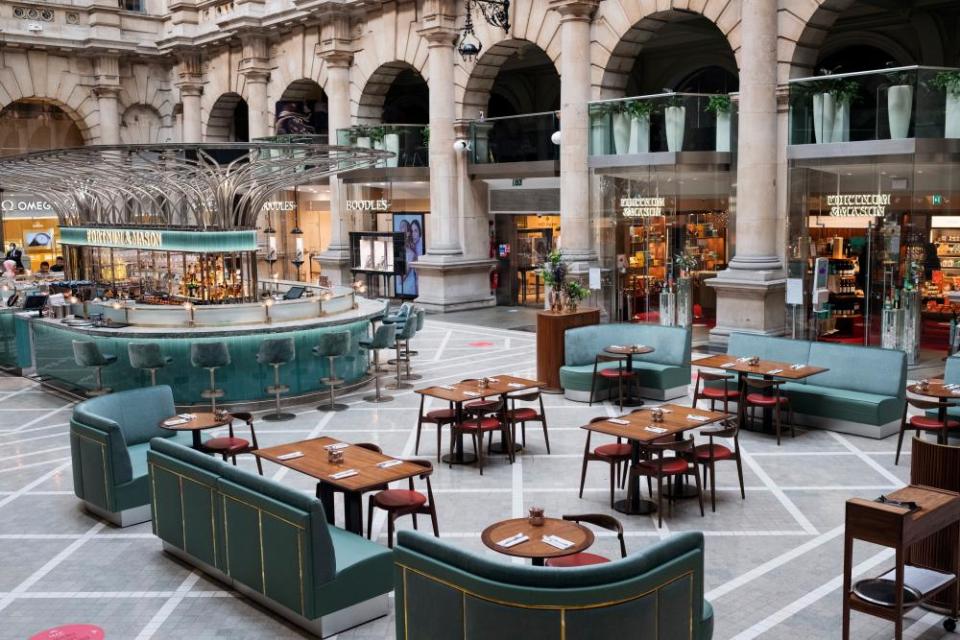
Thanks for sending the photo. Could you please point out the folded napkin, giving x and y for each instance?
(797, 367)
(471, 393)
(386, 464)
(773, 371)
(344, 474)
(293, 455)
(955, 392)
(696, 418)
(729, 364)
(445, 386)
(493, 379)
(653, 429)
(616, 346)
(336, 446)
(187, 416)
(743, 359)
(173, 422)
(557, 541)
(664, 409)
(516, 385)
(513, 541)
(618, 421)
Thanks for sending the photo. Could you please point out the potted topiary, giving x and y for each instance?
(949, 83)
(554, 273)
(362, 134)
(900, 102)
(575, 292)
(721, 105)
(600, 115)
(639, 112)
(620, 124)
(832, 98)
(376, 138)
(675, 118)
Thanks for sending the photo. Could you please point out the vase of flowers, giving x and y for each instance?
(554, 273)
(575, 292)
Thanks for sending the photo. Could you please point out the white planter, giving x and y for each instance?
(723, 131)
(899, 110)
(363, 141)
(378, 145)
(640, 135)
(824, 113)
(841, 122)
(598, 135)
(676, 120)
(952, 129)
(391, 143)
(621, 133)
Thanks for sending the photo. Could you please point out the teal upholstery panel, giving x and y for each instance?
(138, 412)
(843, 404)
(866, 369)
(951, 374)
(364, 570)
(672, 344)
(580, 377)
(605, 622)
(92, 456)
(433, 613)
(769, 348)
(485, 620)
(283, 547)
(108, 434)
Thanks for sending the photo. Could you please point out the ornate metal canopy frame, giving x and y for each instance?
(215, 186)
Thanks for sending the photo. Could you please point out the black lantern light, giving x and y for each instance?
(495, 12)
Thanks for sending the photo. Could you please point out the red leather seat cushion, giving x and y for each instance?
(485, 424)
(226, 443)
(763, 400)
(440, 414)
(399, 498)
(668, 466)
(577, 560)
(526, 413)
(613, 450)
(615, 373)
(717, 393)
(926, 422)
(720, 452)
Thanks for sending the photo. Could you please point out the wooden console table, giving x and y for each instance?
(550, 349)
(896, 527)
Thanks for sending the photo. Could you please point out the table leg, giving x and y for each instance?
(634, 505)
(325, 494)
(629, 399)
(538, 562)
(501, 447)
(197, 444)
(353, 512)
(459, 456)
(681, 487)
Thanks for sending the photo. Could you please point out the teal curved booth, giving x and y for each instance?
(442, 591)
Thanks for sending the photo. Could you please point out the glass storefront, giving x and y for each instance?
(523, 243)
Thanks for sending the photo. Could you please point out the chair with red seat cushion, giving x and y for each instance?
(657, 466)
(615, 454)
(926, 423)
(483, 406)
(477, 427)
(725, 393)
(766, 395)
(618, 373)
(402, 502)
(522, 415)
(439, 417)
(230, 446)
(712, 452)
(369, 446)
(584, 559)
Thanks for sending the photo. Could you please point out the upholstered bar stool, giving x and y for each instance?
(416, 319)
(147, 356)
(403, 334)
(333, 345)
(210, 356)
(277, 352)
(384, 337)
(88, 354)
(421, 316)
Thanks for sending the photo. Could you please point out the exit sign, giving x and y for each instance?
(518, 182)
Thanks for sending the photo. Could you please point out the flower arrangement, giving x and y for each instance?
(554, 271)
(686, 262)
(575, 292)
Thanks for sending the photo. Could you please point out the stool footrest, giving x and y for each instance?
(278, 389)
(212, 393)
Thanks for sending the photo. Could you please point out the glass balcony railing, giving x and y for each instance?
(664, 122)
(407, 141)
(523, 138)
(886, 104)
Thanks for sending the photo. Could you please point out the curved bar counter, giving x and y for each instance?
(243, 327)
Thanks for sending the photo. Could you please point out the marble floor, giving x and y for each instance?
(773, 561)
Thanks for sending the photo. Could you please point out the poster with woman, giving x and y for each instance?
(411, 226)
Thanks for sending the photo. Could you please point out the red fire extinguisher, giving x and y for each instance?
(494, 280)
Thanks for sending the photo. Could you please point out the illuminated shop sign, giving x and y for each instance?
(161, 240)
(642, 207)
(26, 205)
(280, 205)
(368, 205)
(858, 205)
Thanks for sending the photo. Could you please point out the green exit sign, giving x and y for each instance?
(518, 182)
(936, 199)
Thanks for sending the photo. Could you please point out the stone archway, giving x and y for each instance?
(142, 124)
(383, 81)
(228, 120)
(36, 125)
(487, 72)
(302, 108)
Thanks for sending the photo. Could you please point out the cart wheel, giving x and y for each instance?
(950, 624)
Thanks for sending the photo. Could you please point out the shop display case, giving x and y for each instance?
(377, 253)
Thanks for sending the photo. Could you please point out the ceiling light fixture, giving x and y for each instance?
(495, 12)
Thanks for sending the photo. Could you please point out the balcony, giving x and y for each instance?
(516, 146)
(407, 141)
(654, 129)
(881, 111)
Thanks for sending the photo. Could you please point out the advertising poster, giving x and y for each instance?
(411, 226)
(300, 117)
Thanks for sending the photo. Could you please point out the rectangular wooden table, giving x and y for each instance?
(314, 463)
(643, 430)
(462, 392)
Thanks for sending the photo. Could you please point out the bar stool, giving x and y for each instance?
(421, 320)
(333, 345)
(384, 337)
(146, 355)
(277, 352)
(210, 356)
(416, 319)
(88, 354)
(405, 332)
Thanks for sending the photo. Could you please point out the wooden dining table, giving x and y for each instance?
(640, 430)
(940, 391)
(367, 463)
(534, 547)
(201, 421)
(460, 393)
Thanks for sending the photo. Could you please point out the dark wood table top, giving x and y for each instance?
(201, 421)
(629, 349)
(467, 391)
(579, 535)
(314, 463)
(937, 389)
(763, 368)
(642, 428)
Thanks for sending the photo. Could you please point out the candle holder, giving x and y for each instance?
(536, 517)
(335, 456)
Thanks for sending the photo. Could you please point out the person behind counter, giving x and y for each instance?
(44, 268)
(14, 253)
(59, 266)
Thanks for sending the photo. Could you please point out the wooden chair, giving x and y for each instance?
(614, 454)
(619, 374)
(523, 415)
(676, 466)
(482, 406)
(439, 417)
(402, 502)
(478, 426)
(230, 446)
(766, 394)
(723, 394)
(584, 558)
(926, 423)
(709, 454)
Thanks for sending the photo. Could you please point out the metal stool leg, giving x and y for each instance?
(100, 390)
(212, 393)
(377, 397)
(333, 382)
(277, 389)
(408, 354)
(153, 377)
(399, 384)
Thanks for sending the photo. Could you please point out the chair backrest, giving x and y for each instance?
(136, 413)
(333, 343)
(408, 330)
(421, 319)
(369, 446)
(276, 351)
(385, 336)
(929, 404)
(757, 383)
(87, 354)
(209, 354)
(145, 355)
(603, 521)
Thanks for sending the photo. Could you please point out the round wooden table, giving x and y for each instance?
(629, 351)
(200, 422)
(937, 391)
(534, 548)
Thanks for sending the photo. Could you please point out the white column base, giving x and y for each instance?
(336, 265)
(454, 284)
(748, 302)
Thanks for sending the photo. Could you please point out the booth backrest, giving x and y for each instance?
(952, 373)
(137, 413)
(768, 348)
(865, 369)
(672, 344)
(440, 587)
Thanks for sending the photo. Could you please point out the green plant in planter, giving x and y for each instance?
(948, 82)
(575, 291)
(686, 262)
(359, 131)
(377, 133)
(606, 108)
(639, 109)
(553, 270)
(895, 78)
(674, 99)
(425, 135)
(720, 103)
(845, 91)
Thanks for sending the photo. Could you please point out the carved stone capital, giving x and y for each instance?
(575, 9)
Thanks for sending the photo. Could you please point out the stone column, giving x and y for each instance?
(750, 292)
(190, 82)
(576, 234)
(254, 67)
(107, 90)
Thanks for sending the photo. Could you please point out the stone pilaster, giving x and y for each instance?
(255, 69)
(190, 83)
(107, 90)
(750, 292)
